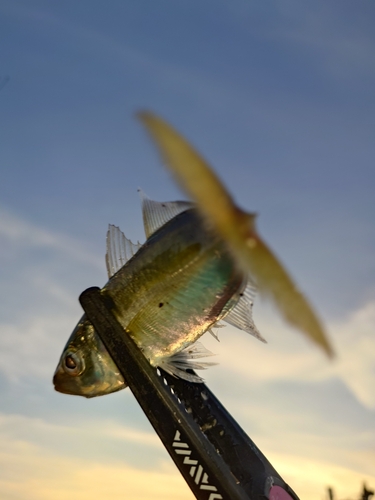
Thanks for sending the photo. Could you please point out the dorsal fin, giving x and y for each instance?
(241, 316)
(119, 250)
(156, 214)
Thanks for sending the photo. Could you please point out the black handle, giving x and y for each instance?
(214, 455)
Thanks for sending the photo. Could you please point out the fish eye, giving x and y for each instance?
(72, 364)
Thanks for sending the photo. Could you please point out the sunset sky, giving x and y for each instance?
(279, 97)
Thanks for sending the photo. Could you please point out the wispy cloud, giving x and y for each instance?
(355, 341)
(31, 347)
(289, 357)
(39, 306)
(33, 466)
(28, 472)
(25, 235)
(310, 478)
(50, 435)
(340, 44)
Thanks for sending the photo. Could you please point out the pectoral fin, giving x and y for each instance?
(236, 227)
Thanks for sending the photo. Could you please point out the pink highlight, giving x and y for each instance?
(277, 493)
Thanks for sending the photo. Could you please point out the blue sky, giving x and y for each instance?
(278, 96)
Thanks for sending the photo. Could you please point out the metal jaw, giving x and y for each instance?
(214, 455)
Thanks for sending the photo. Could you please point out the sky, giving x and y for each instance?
(278, 97)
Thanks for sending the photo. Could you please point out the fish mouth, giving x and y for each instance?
(58, 382)
(64, 383)
(62, 386)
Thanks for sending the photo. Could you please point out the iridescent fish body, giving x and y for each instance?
(170, 291)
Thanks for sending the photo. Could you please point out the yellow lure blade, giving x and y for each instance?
(236, 228)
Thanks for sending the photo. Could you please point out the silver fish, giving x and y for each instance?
(166, 294)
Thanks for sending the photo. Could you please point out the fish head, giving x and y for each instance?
(85, 367)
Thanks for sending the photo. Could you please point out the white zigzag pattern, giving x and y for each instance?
(196, 470)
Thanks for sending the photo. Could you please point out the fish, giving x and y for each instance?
(166, 293)
(201, 264)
